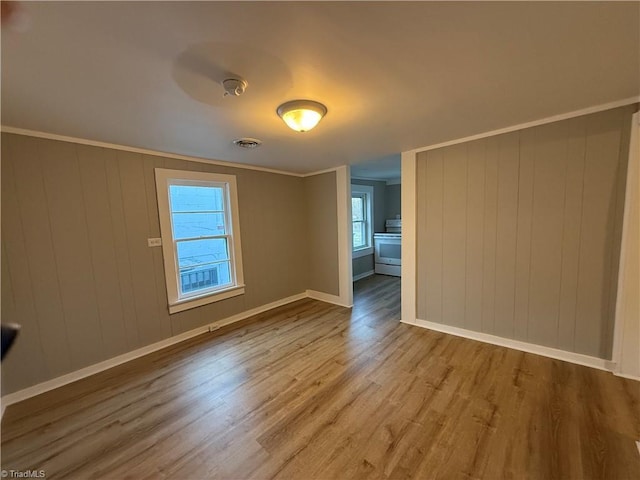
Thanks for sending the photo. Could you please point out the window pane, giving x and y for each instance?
(357, 208)
(204, 277)
(193, 225)
(359, 235)
(203, 264)
(194, 253)
(187, 198)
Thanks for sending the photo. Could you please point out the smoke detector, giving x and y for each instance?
(234, 87)
(247, 142)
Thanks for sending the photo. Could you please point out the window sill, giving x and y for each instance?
(194, 302)
(363, 252)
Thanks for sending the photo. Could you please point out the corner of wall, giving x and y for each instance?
(408, 208)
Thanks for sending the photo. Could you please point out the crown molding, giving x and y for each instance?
(144, 151)
(534, 123)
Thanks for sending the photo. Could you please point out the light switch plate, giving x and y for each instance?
(154, 242)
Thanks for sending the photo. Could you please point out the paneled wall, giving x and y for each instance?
(321, 233)
(77, 273)
(628, 355)
(519, 234)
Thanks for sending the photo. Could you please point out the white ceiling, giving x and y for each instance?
(394, 76)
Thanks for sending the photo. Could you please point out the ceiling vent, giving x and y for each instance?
(247, 142)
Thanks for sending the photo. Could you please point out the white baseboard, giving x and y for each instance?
(578, 358)
(326, 297)
(43, 387)
(126, 357)
(625, 375)
(363, 275)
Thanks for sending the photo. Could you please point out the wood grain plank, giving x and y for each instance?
(454, 234)
(597, 227)
(95, 192)
(547, 232)
(433, 239)
(506, 233)
(523, 239)
(136, 220)
(475, 234)
(17, 293)
(571, 235)
(490, 236)
(312, 390)
(35, 277)
(421, 222)
(68, 222)
(120, 244)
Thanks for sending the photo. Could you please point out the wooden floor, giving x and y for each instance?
(312, 390)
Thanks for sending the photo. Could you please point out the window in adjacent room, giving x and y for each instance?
(362, 219)
(200, 237)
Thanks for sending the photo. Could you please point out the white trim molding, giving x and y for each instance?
(71, 377)
(367, 191)
(626, 333)
(577, 358)
(327, 298)
(345, 267)
(144, 151)
(319, 172)
(43, 387)
(368, 179)
(363, 252)
(165, 179)
(534, 123)
(624, 375)
(409, 236)
(363, 275)
(156, 153)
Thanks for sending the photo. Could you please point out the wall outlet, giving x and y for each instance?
(154, 242)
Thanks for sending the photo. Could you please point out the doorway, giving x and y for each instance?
(376, 224)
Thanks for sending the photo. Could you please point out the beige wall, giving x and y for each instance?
(519, 234)
(322, 233)
(76, 270)
(628, 354)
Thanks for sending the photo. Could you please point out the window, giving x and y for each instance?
(200, 237)
(362, 219)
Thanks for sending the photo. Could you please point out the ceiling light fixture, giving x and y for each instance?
(302, 115)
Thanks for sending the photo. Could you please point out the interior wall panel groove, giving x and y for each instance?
(77, 272)
(519, 234)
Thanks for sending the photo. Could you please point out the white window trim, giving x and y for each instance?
(368, 190)
(177, 304)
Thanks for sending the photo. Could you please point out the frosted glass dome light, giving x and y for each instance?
(302, 115)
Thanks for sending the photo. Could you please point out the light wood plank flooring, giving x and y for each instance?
(312, 390)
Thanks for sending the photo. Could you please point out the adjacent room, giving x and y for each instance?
(320, 240)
